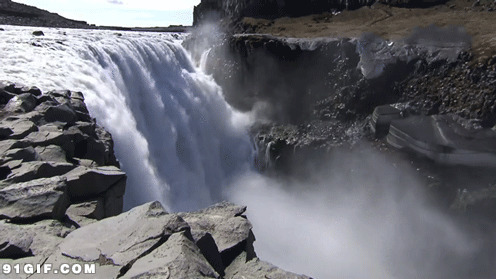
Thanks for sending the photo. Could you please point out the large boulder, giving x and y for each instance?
(230, 237)
(121, 240)
(34, 199)
(37, 239)
(25, 102)
(37, 169)
(179, 257)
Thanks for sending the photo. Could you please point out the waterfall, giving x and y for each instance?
(359, 215)
(177, 139)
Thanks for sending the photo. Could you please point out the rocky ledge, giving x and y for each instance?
(61, 199)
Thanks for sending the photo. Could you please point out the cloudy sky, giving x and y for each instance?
(131, 13)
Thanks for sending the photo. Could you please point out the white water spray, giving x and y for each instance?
(177, 139)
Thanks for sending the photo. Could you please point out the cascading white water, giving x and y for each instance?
(177, 139)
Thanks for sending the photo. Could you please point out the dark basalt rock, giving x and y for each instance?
(44, 138)
(38, 33)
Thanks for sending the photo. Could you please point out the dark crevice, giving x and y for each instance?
(13, 252)
(128, 266)
(229, 255)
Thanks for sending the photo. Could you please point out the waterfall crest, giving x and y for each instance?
(178, 140)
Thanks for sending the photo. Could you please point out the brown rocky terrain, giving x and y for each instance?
(388, 22)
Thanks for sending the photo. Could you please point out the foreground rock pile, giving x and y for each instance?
(60, 185)
(54, 156)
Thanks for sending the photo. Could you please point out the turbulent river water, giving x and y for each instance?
(182, 144)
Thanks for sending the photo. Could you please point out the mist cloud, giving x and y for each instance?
(359, 216)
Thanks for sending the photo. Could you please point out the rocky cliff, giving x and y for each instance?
(61, 199)
(320, 83)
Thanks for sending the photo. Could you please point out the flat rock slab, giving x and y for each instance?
(85, 182)
(20, 128)
(25, 154)
(37, 169)
(25, 102)
(37, 239)
(35, 199)
(122, 239)
(176, 258)
(224, 221)
(444, 140)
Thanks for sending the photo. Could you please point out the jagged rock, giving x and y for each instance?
(35, 199)
(33, 90)
(256, 268)
(106, 138)
(178, 257)
(234, 229)
(34, 170)
(51, 153)
(46, 138)
(5, 96)
(21, 103)
(86, 213)
(27, 154)
(79, 105)
(210, 251)
(88, 128)
(232, 236)
(122, 239)
(11, 144)
(85, 163)
(62, 113)
(20, 128)
(85, 182)
(38, 239)
(60, 93)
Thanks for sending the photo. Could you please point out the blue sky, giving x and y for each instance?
(143, 13)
